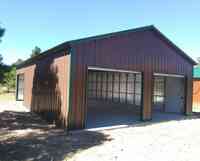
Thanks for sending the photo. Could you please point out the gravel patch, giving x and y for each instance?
(166, 141)
(24, 136)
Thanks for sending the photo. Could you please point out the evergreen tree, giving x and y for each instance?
(36, 51)
(9, 79)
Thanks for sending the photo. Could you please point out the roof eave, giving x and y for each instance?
(175, 46)
(57, 48)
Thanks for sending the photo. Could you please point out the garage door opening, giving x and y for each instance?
(114, 97)
(168, 96)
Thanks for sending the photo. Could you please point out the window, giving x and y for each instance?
(104, 85)
(123, 81)
(115, 86)
(20, 87)
(110, 85)
(159, 90)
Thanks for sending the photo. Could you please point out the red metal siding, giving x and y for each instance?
(139, 51)
(46, 85)
(196, 95)
(28, 83)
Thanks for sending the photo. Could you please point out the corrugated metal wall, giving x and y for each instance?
(47, 80)
(28, 83)
(46, 87)
(140, 51)
(196, 95)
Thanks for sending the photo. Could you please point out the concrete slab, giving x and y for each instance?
(106, 116)
(166, 116)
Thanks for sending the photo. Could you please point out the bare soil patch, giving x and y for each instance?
(24, 136)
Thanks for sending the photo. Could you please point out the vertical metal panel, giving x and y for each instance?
(143, 51)
(196, 95)
(46, 87)
(28, 83)
(188, 90)
(140, 51)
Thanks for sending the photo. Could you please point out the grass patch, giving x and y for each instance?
(7, 97)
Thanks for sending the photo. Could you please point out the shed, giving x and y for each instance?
(108, 79)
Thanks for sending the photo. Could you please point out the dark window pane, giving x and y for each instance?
(131, 77)
(123, 77)
(110, 76)
(130, 98)
(138, 78)
(93, 76)
(110, 95)
(130, 87)
(90, 76)
(138, 88)
(122, 87)
(20, 87)
(122, 97)
(104, 77)
(137, 99)
(104, 94)
(110, 86)
(159, 90)
(115, 86)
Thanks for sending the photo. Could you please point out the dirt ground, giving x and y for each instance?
(24, 136)
(175, 140)
(6, 97)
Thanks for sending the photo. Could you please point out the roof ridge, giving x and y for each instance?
(67, 44)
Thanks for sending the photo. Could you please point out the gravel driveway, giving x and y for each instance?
(26, 137)
(177, 140)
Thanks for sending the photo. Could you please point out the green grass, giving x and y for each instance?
(7, 97)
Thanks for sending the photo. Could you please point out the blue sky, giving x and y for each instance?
(46, 23)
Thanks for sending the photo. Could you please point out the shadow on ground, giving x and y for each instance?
(24, 136)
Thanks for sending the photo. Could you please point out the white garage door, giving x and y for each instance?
(115, 86)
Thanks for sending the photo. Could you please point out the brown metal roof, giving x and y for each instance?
(66, 45)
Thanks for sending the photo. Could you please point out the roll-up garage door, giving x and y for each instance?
(115, 86)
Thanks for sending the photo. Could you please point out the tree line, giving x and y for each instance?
(8, 72)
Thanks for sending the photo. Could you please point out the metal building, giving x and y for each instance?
(111, 78)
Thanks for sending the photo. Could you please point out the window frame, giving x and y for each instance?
(23, 87)
(114, 91)
(159, 90)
